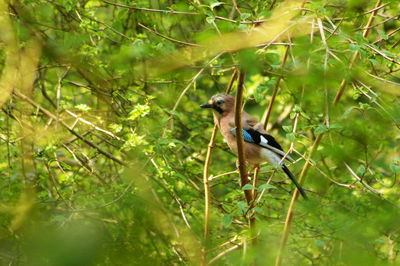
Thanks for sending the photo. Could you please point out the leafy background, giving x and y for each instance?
(103, 143)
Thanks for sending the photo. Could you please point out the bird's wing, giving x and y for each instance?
(248, 120)
(262, 139)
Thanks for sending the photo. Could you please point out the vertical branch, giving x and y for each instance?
(206, 181)
(239, 137)
(276, 88)
(28, 62)
(289, 217)
(355, 55)
(241, 154)
(192, 81)
(8, 150)
(10, 44)
(268, 114)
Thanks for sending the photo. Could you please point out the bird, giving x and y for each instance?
(258, 145)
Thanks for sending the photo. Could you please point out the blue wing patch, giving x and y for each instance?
(246, 136)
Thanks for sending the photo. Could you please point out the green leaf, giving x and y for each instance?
(244, 16)
(258, 209)
(248, 187)
(306, 116)
(395, 167)
(354, 47)
(296, 108)
(227, 220)
(320, 243)
(388, 53)
(58, 218)
(347, 112)
(139, 111)
(356, 95)
(272, 58)
(210, 20)
(287, 128)
(380, 240)
(258, 96)
(361, 170)
(83, 107)
(364, 106)
(321, 129)
(266, 186)
(290, 136)
(383, 34)
(335, 126)
(213, 5)
(373, 61)
(242, 205)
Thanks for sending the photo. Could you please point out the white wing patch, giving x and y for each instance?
(263, 140)
(270, 156)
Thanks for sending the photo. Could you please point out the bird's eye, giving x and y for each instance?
(220, 101)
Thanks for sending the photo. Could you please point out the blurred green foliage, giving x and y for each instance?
(104, 165)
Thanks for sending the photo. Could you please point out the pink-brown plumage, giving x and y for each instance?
(259, 146)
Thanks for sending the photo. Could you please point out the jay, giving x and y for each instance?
(258, 145)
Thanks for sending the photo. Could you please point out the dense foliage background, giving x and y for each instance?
(103, 143)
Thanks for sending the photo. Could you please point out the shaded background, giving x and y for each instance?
(103, 142)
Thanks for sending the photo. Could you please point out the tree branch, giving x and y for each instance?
(289, 217)
(239, 137)
(88, 142)
(206, 181)
(355, 55)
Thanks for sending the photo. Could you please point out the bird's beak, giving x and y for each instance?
(206, 105)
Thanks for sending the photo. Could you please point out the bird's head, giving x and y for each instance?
(220, 104)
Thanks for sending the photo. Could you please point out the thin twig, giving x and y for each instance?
(324, 174)
(53, 181)
(276, 88)
(239, 137)
(211, 178)
(355, 55)
(150, 9)
(268, 114)
(292, 142)
(206, 180)
(241, 154)
(174, 12)
(241, 22)
(172, 194)
(108, 26)
(166, 37)
(223, 253)
(382, 54)
(289, 217)
(335, 29)
(376, 8)
(388, 35)
(361, 181)
(186, 89)
(383, 80)
(92, 125)
(49, 114)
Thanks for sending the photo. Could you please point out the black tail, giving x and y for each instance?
(290, 175)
